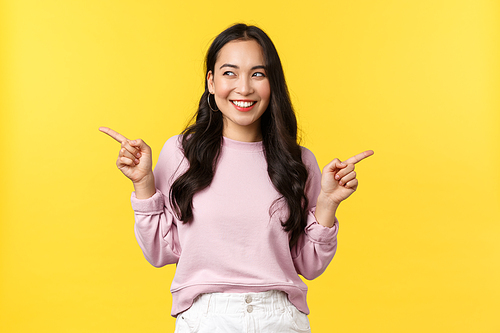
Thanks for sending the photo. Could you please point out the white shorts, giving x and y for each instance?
(268, 311)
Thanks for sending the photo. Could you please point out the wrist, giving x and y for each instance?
(326, 208)
(326, 202)
(145, 188)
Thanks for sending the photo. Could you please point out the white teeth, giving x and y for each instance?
(243, 104)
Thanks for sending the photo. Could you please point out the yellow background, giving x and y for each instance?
(416, 81)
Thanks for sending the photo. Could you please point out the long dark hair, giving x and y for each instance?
(202, 141)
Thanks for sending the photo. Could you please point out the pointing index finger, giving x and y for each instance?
(115, 135)
(355, 159)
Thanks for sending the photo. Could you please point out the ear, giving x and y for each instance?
(210, 82)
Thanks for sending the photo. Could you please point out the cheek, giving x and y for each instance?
(222, 89)
(265, 92)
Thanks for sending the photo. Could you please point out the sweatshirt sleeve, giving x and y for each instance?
(155, 224)
(316, 247)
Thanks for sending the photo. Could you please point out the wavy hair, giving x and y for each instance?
(202, 141)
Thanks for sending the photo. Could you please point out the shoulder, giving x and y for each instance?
(171, 162)
(173, 143)
(308, 157)
(313, 185)
(311, 164)
(172, 152)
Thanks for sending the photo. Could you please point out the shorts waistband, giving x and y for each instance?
(272, 301)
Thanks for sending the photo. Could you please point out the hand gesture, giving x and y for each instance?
(134, 159)
(338, 180)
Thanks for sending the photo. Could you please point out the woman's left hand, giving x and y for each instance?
(338, 180)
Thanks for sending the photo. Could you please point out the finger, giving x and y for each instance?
(125, 153)
(340, 165)
(333, 165)
(355, 159)
(349, 168)
(132, 150)
(122, 161)
(140, 145)
(115, 135)
(350, 176)
(353, 184)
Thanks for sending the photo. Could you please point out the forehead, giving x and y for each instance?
(242, 53)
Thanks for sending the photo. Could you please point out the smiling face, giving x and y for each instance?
(241, 88)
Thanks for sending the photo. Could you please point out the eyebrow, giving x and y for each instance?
(234, 66)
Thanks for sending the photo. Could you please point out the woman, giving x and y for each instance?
(234, 201)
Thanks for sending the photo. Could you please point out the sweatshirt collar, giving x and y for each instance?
(242, 146)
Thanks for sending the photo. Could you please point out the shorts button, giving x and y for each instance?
(248, 299)
(249, 309)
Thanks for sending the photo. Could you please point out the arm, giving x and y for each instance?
(155, 227)
(317, 246)
(156, 230)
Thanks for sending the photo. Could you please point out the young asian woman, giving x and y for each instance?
(234, 201)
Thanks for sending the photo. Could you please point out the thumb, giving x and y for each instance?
(140, 144)
(334, 165)
(339, 164)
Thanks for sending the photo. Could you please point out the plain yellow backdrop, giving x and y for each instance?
(416, 81)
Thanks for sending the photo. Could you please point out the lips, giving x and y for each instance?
(244, 105)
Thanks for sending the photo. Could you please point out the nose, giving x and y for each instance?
(245, 86)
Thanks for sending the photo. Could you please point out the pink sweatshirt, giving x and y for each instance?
(232, 245)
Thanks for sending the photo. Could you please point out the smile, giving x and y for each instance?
(244, 104)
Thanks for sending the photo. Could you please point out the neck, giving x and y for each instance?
(243, 133)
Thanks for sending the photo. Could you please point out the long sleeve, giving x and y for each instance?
(155, 230)
(155, 224)
(316, 247)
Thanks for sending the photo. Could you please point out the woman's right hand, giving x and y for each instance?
(135, 161)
